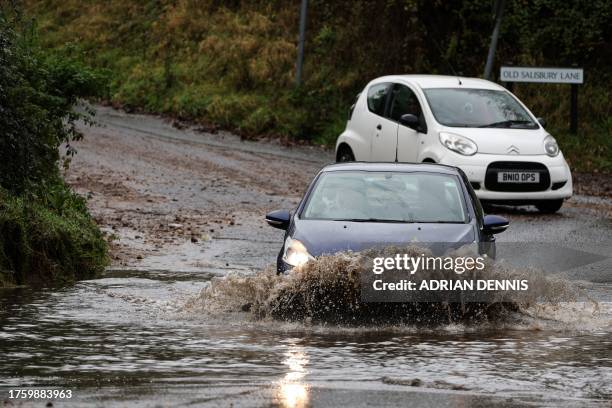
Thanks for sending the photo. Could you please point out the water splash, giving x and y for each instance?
(327, 290)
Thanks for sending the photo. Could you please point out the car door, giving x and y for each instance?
(383, 131)
(404, 101)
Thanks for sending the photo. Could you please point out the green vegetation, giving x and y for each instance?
(231, 63)
(46, 233)
(48, 241)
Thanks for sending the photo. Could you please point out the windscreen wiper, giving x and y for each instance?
(374, 220)
(506, 123)
(442, 222)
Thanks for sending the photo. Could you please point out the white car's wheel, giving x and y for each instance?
(345, 154)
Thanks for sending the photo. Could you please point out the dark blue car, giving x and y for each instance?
(356, 206)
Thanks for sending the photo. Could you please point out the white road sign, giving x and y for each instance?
(545, 75)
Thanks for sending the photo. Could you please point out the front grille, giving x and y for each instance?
(495, 167)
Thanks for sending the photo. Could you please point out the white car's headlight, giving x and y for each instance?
(295, 253)
(459, 144)
(551, 146)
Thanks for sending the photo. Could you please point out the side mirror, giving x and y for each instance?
(410, 120)
(279, 219)
(542, 121)
(494, 224)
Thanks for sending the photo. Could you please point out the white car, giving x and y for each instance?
(469, 123)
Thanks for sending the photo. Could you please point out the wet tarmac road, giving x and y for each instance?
(185, 206)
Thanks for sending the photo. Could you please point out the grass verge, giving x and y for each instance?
(48, 239)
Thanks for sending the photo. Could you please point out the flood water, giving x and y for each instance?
(128, 336)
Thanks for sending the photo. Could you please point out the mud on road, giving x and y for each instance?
(183, 200)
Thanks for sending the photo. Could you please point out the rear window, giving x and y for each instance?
(377, 97)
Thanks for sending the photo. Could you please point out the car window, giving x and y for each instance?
(377, 97)
(457, 107)
(404, 101)
(386, 196)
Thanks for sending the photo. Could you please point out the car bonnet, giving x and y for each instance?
(328, 237)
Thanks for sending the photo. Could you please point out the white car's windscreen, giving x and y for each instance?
(457, 107)
(386, 197)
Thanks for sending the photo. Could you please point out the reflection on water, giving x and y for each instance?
(293, 395)
(293, 390)
(132, 331)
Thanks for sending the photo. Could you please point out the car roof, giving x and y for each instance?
(391, 167)
(440, 81)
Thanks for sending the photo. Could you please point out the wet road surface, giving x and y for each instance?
(184, 207)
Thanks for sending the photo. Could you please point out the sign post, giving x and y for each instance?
(302, 39)
(573, 76)
(574, 110)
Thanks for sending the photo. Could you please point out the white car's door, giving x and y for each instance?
(381, 131)
(404, 101)
(407, 144)
(384, 140)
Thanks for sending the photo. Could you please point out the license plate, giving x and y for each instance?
(518, 177)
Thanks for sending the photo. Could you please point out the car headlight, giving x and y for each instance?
(459, 144)
(295, 253)
(551, 146)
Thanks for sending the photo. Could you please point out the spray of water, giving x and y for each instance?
(328, 290)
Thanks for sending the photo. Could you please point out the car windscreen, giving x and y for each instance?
(457, 107)
(378, 196)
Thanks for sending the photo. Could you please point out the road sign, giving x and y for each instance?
(573, 76)
(542, 75)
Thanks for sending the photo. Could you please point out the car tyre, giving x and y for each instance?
(345, 154)
(549, 206)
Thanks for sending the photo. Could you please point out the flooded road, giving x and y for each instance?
(126, 338)
(184, 208)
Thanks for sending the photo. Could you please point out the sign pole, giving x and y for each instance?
(300, 56)
(499, 12)
(574, 109)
